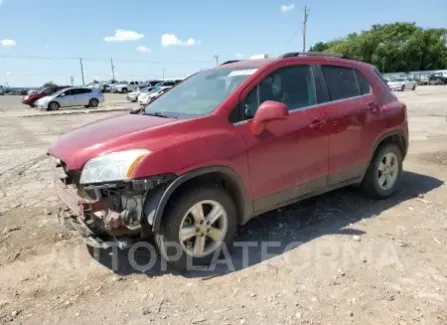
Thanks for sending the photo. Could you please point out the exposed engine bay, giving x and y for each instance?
(109, 209)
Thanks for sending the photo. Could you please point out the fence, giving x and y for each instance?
(34, 71)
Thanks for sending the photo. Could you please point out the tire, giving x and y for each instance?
(93, 102)
(53, 106)
(414, 88)
(124, 91)
(402, 88)
(371, 183)
(176, 216)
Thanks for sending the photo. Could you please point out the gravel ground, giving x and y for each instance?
(340, 258)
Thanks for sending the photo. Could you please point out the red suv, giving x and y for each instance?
(228, 144)
(32, 98)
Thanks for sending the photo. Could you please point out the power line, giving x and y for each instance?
(100, 59)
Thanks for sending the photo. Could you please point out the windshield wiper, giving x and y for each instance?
(160, 114)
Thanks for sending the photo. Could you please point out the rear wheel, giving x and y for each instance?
(93, 102)
(414, 87)
(124, 91)
(382, 177)
(53, 106)
(196, 227)
(402, 88)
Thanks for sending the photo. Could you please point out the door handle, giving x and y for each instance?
(373, 107)
(317, 123)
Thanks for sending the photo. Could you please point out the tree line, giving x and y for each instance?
(397, 47)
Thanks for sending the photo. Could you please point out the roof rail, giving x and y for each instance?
(332, 55)
(230, 61)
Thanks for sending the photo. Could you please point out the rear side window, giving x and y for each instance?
(341, 82)
(377, 72)
(364, 86)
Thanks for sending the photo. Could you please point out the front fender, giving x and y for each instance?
(157, 200)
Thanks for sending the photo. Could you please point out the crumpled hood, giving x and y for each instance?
(110, 134)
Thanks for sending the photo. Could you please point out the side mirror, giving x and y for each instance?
(267, 112)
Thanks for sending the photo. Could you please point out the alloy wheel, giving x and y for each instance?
(203, 228)
(388, 171)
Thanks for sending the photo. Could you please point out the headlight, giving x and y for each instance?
(115, 166)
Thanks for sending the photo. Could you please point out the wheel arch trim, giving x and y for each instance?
(386, 135)
(155, 205)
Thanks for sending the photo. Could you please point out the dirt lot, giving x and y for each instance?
(339, 258)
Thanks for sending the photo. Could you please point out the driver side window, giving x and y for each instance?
(293, 86)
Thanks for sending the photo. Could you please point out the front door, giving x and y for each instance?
(66, 98)
(290, 158)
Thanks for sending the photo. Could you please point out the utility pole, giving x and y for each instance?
(113, 68)
(216, 57)
(163, 73)
(82, 71)
(71, 80)
(306, 14)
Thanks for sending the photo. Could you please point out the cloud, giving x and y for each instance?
(143, 49)
(47, 46)
(240, 55)
(8, 42)
(122, 35)
(172, 40)
(287, 8)
(7, 73)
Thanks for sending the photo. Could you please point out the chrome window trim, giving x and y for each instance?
(294, 110)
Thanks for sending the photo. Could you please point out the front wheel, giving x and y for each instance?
(402, 88)
(414, 87)
(195, 228)
(124, 91)
(382, 177)
(53, 106)
(93, 102)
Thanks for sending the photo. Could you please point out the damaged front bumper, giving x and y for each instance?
(106, 215)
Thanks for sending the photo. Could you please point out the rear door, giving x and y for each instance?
(349, 96)
(82, 96)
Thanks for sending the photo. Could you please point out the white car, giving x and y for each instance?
(125, 87)
(400, 84)
(76, 96)
(133, 96)
(2, 90)
(146, 98)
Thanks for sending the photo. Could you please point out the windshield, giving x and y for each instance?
(200, 94)
(57, 93)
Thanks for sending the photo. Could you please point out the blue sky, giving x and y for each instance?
(196, 30)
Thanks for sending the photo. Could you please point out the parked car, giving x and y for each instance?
(401, 83)
(133, 96)
(228, 144)
(125, 87)
(437, 79)
(146, 98)
(74, 96)
(32, 97)
(2, 90)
